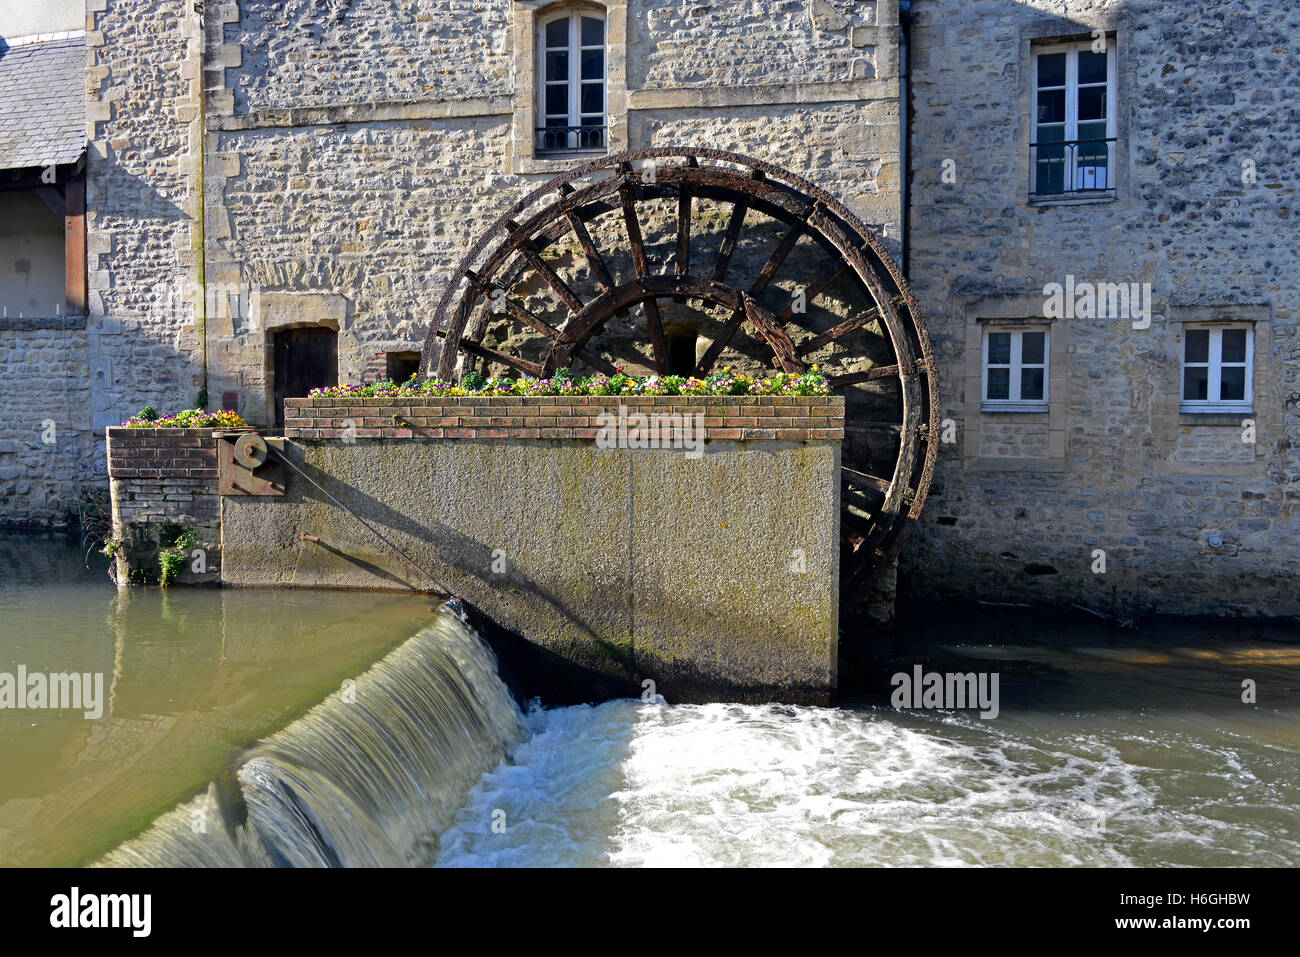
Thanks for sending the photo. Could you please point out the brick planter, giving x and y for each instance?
(160, 478)
(164, 475)
(792, 418)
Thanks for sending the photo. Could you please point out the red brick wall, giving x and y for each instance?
(164, 475)
(792, 418)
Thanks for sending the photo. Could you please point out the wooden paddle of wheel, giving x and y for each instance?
(547, 250)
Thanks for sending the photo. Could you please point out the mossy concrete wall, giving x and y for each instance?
(715, 577)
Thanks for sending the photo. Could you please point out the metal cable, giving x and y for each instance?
(378, 534)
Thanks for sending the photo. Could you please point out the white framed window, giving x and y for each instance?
(1072, 141)
(571, 88)
(1218, 368)
(1015, 365)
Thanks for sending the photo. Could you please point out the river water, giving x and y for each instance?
(1109, 748)
(191, 677)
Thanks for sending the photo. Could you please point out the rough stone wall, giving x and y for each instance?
(354, 227)
(684, 43)
(142, 199)
(47, 452)
(307, 53)
(850, 149)
(356, 149)
(1023, 503)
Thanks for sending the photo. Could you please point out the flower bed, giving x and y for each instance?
(812, 382)
(148, 418)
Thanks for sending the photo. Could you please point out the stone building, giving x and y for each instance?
(1125, 459)
(47, 451)
(278, 192)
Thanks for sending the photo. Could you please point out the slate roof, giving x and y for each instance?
(42, 102)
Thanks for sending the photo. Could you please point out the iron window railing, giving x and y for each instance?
(1065, 169)
(568, 139)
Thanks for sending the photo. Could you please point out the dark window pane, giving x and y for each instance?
(557, 33)
(593, 98)
(999, 348)
(1092, 103)
(557, 100)
(558, 120)
(593, 32)
(999, 383)
(1234, 345)
(1195, 383)
(1094, 130)
(593, 64)
(1031, 348)
(1051, 69)
(1198, 345)
(1049, 173)
(1232, 385)
(557, 65)
(1050, 179)
(1051, 106)
(1031, 383)
(1052, 134)
(1092, 67)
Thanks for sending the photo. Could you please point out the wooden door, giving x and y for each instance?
(305, 359)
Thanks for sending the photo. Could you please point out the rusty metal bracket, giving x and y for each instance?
(244, 465)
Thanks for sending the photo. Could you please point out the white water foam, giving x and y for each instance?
(628, 783)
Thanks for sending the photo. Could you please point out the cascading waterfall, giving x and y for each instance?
(416, 762)
(368, 778)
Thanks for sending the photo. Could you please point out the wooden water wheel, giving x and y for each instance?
(683, 261)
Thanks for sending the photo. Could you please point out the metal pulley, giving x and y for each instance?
(250, 450)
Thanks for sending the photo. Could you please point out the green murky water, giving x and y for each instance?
(191, 677)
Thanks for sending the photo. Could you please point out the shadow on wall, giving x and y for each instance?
(463, 556)
(144, 343)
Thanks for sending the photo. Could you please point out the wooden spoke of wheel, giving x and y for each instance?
(856, 523)
(492, 355)
(597, 265)
(854, 477)
(729, 239)
(839, 331)
(499, 295)
(647, 289)
(811, 293)
(651, 307)
(682, 265)
(878, 372)
(549, 275)
(771, 330)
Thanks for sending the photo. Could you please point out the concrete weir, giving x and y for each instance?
(711, 571)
